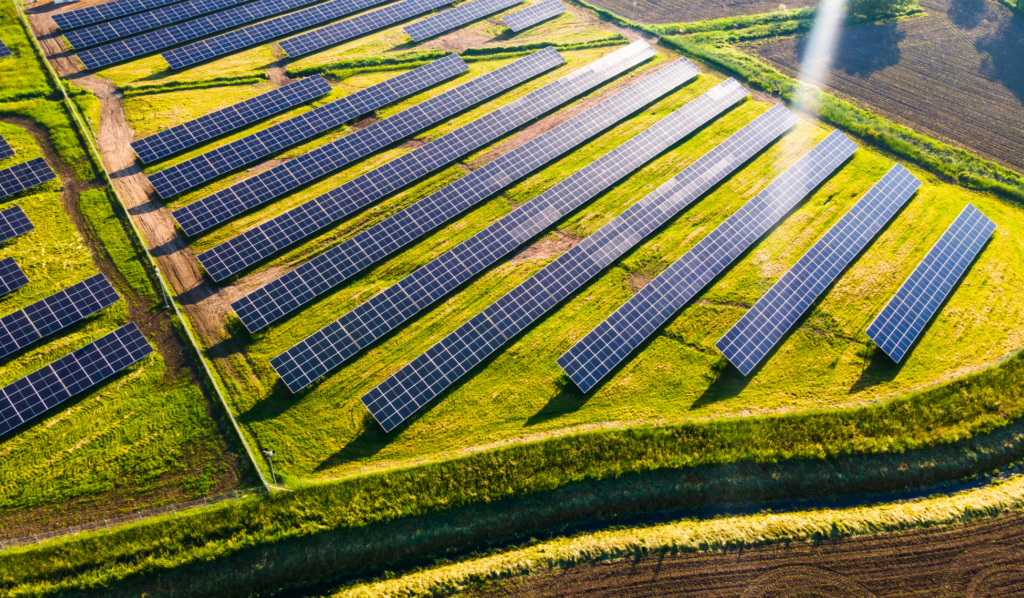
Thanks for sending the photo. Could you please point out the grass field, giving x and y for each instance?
(22, 75)
(952, 74)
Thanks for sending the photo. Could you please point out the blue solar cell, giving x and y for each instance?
(916, 302)
(4, 50)
(423, 379)
(613, 340)
(50, 386)
(456, 17)
(225, 120)
(13, 222)
(24, 176)
(5, 149)
(317, 276)
(11, 276)
(104, 12)
(761, 328)
(337, 342)
(238, 153)
(531, 15)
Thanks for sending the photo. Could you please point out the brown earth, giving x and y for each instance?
(685, 11)
(548, 247)
(984, 558)
(955, 73)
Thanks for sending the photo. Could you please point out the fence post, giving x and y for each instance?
(174, 510)
(36, 538)
(2, 545)
(106, 525)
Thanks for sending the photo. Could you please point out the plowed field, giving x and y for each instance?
(956, 74)
(685, 11)
(981, 559)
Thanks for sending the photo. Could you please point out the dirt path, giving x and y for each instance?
(982, 558)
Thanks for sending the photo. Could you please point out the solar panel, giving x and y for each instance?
(11, 276)
(321, 352)
(918, 299)
(600, 351)
(58, 311)
(13, 222)
(5, 149)
(104, 12)
(24, 176)
(238, 153)
(303, 221)
(531, 15)
(456, 17)
(747, 343)
(50, 386)
(419, 382)
(4, 50)
(225, 120)
(345, 30)
(154, 19)
(173, 35)
(316, 15)
(276, 299)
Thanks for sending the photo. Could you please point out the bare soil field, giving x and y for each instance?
(954, 74)
(686, 11)
(983, 558)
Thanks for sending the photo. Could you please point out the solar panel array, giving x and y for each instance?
(238, 153)
(228, 119)
(746, 343)
(321, 352)
(147, 21)
(11, 276)
(600, 351)
(167, 37)
(276, 299)
(24, 176)
(6, 151)
(58, 311)
(4, 50)
(456, 17)
(268, 30)
(419, 382)
(50, 386)
(105, 12)
(13, 222)
(531, 15)
(918, 299)
(345, 30)
(257, 243)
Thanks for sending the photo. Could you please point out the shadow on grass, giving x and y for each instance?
(567, 399)
(370, 441)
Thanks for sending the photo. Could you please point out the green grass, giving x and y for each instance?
(53, 116)
(22, 76)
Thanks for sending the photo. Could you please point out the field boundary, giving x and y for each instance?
(169, 298)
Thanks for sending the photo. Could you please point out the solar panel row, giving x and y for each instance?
(4, 50)
(11, 276)
(345, 30)
(602, 349)
(58, 311)
(456, 17)
(5, 149)
(154, 19)
(225, 120)
(171, 36)
(238, 153)
(294, 22)
(104, 12)
(531, 15)
(13, 222)
(50, 386)
(24, 176)
(761, 328)
(286, 294)
(277, 181)
(918, 299)
(314, 215)
(419, 382)
(326, 349)
(255, 244)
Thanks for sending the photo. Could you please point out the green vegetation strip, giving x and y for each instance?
(148, 88)
(320, 532)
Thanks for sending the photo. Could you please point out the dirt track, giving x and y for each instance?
(981, 559)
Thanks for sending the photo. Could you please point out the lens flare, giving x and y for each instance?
(816, 63)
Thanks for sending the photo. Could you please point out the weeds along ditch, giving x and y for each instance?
(367, 524)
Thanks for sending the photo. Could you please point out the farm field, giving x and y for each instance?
(952, 74)
(148, 436)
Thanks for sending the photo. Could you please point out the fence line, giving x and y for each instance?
(134, 517)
